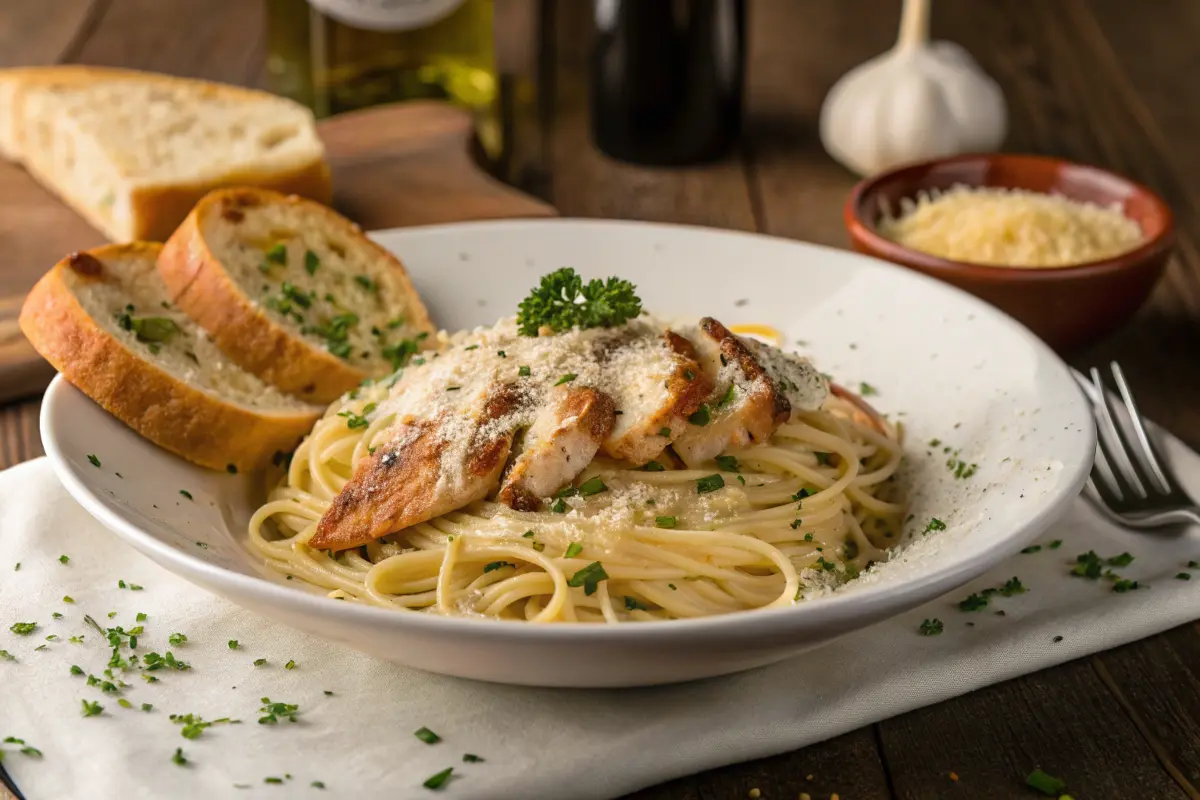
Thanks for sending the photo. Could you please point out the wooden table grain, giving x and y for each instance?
(1090, 80)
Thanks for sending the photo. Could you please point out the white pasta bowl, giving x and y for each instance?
(946, 365)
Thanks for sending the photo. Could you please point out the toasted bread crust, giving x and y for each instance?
(186, 421)
(199, 284)
(155, 210)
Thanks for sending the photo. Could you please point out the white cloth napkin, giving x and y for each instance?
(557, 744)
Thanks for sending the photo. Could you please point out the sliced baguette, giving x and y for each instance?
(313, 325)
(132, 152)
(163, 379)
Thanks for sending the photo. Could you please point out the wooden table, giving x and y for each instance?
(1091, 80)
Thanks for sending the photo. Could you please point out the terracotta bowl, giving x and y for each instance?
(1067, 306)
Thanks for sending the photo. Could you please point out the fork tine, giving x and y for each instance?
(1148, 452)
(1101, 487)
(1112, 444)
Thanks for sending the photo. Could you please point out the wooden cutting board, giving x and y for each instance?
(397, 165)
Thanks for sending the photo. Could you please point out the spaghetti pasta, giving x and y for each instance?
(766, 526)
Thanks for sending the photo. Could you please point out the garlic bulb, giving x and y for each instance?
(919, 100)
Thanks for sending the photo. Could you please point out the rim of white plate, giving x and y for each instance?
(741, 625)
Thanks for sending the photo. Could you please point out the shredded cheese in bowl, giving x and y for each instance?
(1010, 227)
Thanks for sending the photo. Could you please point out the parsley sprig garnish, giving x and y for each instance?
(563, 301)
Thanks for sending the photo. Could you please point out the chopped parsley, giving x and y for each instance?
(273, 711)
(1033, 548)
(728, 463)
(311, 262)
(76, 670)
(176, 639)
(1057, 543)
(94, 461)
(589, 577)
(559, 506)
(935, 524)
(523, 372)
(570, 376)
(439, 780)
(64, 559)
(358, 420)
(664, 431)
(186, 494)
(823, 459)
(152, 330)
(633, 604)
(233, 644)
(400, 353)
(92, 709)
(961, 469)
(827, 566)
(335, 333)
(800, 495)
(573, 549)
(258, 662)
(652, 466)
(866, 390)
(147, 707)
(178, 758)
(154, 661)
(495, 565)
(427, 736)
(709, 483)
(366, 283)
(932, 627)
(1088, 565)
(1012, 586)
(1123, 560)
(471, 758)
(563, 301)
(277, 253)
(1121, 586)
(1046, 784)
(317, 785)
(701, 417)
(291, 664)
(796, 523)
(7, 656)
(974, 602)
(1183, 576)
(592, 486)
(666, 522)
(727, 398)
(23, 628)
(1193, 565)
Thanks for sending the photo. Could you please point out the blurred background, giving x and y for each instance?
(558, 91)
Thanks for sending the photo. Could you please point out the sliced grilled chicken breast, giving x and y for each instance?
(754, 389)
(425, 470)
(561, 442)
(629, 392)
(655, 396)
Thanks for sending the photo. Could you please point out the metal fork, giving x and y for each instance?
(1130, 479)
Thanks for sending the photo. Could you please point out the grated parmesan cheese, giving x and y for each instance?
(1010, 227)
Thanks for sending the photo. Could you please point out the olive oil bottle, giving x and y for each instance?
(341, 55)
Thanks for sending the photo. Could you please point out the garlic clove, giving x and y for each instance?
(915, 102)
(910, 105)
(975, 101)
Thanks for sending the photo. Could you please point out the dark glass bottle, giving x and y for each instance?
(667, 79)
